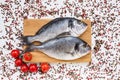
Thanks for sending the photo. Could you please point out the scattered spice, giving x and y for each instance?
(105, 32)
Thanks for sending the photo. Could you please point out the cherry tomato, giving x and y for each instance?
(33, 68)
(15, 53)
(18, 62)
(45, 67)
(24, 68)
(27, 56)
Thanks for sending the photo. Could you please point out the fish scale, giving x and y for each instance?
(58, 27)
(63, 48)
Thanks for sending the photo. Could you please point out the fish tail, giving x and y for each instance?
(26, 40)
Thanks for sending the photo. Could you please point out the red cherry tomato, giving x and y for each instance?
(24, 68)
(45, 67)
(18, 62)
(33, 68)
(15, 53)
(27, 56)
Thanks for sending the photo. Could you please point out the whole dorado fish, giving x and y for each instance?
(58, 27)
(63, 48)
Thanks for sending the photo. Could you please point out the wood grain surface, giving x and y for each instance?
(31, 26)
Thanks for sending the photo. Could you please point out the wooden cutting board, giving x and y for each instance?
(31, 26)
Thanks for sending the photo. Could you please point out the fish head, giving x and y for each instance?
(82, 48)
(78, 27)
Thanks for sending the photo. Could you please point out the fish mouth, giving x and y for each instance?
(78, 31)
(84, 24)
(82, 55)
(81, 29)
(89, 48)
(88, 52)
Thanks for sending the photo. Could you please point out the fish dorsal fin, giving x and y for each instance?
(47, 25)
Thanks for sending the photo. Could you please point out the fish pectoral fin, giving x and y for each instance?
(72, 53)
(63, 34)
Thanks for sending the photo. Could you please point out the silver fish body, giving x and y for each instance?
(63, 48)
(58, 27)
